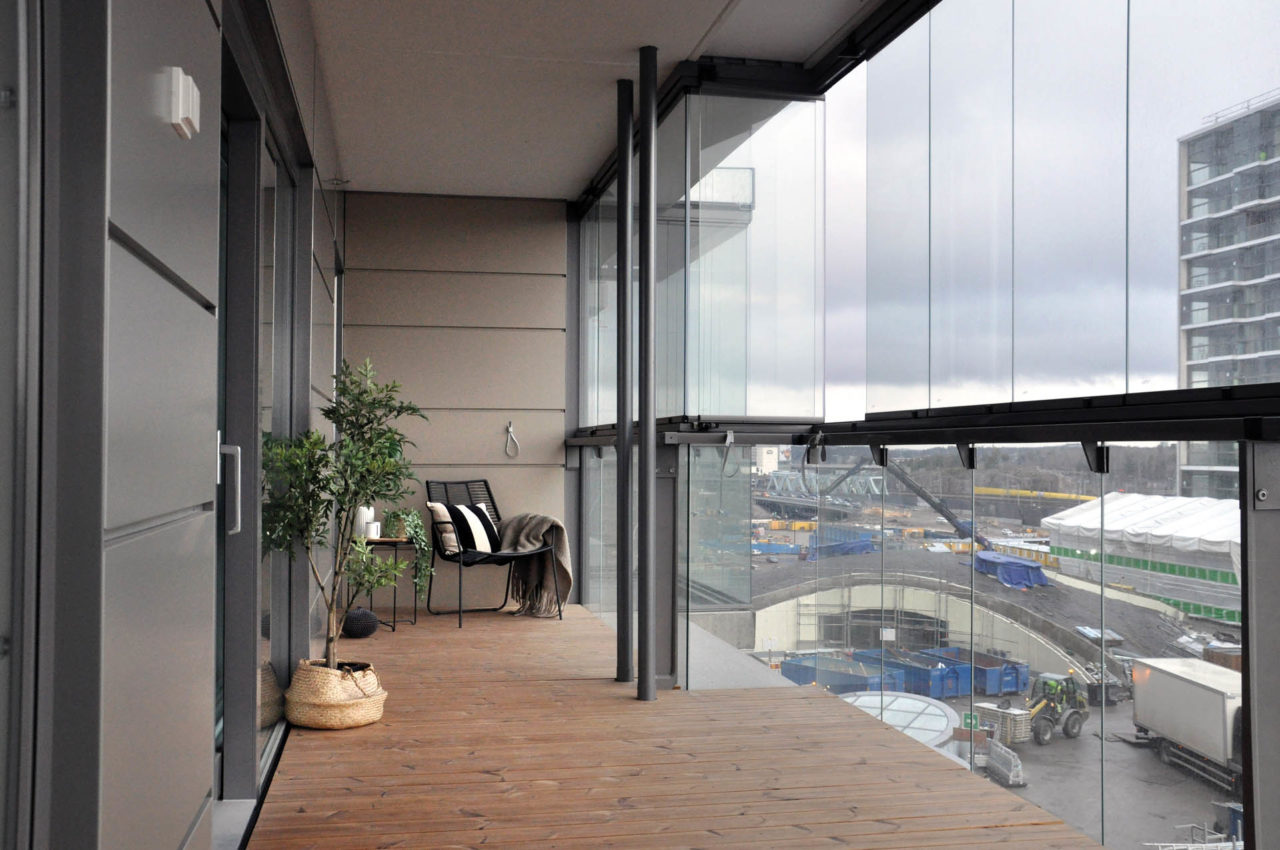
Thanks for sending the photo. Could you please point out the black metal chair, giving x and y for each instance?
(475, 492)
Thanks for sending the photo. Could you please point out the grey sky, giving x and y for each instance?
(1030, 286)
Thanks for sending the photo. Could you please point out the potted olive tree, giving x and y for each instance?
(313, 488)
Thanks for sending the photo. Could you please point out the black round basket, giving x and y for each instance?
(361, 622)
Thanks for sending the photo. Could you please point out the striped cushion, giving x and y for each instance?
(471, 527)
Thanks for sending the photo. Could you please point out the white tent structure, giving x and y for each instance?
(1185, 551)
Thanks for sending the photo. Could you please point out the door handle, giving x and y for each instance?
(234, 451)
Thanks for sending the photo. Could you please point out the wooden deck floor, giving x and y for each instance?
(511, 732)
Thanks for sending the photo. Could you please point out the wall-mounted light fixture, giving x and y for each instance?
(184, 103)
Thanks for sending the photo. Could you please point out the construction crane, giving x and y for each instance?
(963, 529)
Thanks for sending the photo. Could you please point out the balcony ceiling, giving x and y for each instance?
(517, 99)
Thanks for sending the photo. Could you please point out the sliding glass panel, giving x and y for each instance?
(719, 487)
(906, 644)
(837, 605)
(845, 287)
(925, 522)
(970, 202)
(1204, 193)
(898, 223)
(1037, 620)
(1173, 603)
(1069, 322)
(755, 253)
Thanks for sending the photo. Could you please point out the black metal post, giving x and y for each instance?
(626, 126)
(1259, 600)
(646, 540)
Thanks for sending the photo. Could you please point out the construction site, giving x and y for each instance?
(984, 633)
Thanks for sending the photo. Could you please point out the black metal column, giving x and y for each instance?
(647, 484)
(1259, 601)
(626, 671)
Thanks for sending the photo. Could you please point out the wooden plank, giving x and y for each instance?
(510, 732)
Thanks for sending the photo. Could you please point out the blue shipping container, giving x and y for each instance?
(839, 675)
(922, 674)
(992, 675)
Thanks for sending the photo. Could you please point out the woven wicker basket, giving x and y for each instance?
(270, 697)
(320, 698)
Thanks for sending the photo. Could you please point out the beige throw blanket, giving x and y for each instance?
(532, 585)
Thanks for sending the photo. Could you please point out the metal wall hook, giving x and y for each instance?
(512, 446)
(728, 447)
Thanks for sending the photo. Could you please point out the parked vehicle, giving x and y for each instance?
(1191, 712)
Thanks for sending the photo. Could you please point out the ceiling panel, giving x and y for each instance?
(785, 32)
(517, 99)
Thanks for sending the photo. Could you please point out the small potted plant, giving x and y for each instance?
(407, 523)
(313, 490)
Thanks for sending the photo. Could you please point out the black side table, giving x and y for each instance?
(395, 544)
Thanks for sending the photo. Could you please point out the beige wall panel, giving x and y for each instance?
(451, 299)
(516, 489)
(459, 368)
(480, 437)
(455, 234)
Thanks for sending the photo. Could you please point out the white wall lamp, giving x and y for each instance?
(184, 103)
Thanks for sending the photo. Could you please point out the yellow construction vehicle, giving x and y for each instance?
(1056, 699)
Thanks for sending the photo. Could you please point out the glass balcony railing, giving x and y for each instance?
(1239, 310)
(967, 593)
(1209, 162)
(1234, 348)
(1215, 234)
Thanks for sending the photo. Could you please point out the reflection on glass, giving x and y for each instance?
(599, 310)
(970, 202)
(755, 254)
(600, 523)
(589, 308)
(898, 223)
(606, 350)
(669, 263)
(719, 532)
(1202, 137)
(1069, 328)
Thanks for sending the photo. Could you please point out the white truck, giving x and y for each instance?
(1192, 713)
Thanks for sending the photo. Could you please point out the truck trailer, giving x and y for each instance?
(1192, 713)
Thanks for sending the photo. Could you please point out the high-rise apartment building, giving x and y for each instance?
(1229, 281)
